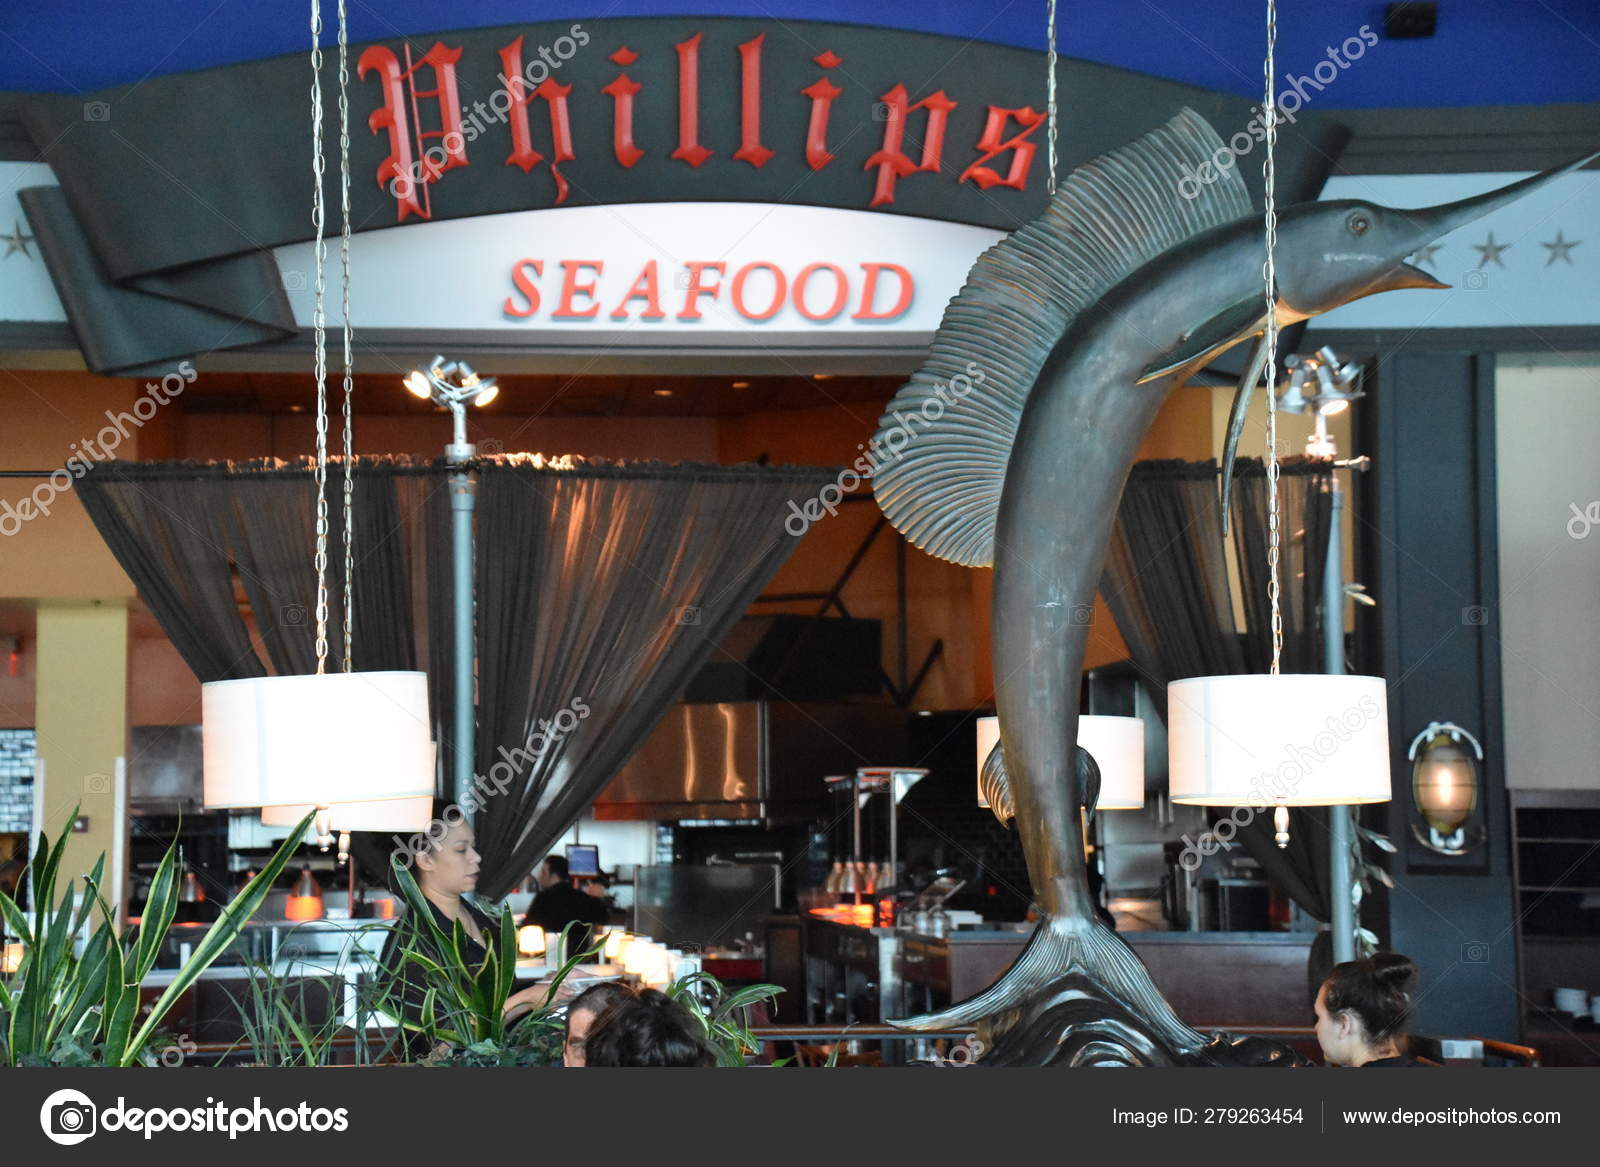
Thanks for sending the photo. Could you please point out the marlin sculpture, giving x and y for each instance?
(1069, 334)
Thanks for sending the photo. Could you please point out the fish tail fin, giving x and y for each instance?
(1058, 949)
(994, 783)
(1047, 954)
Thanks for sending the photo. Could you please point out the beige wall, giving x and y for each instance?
(1547, 420)
(82, 721)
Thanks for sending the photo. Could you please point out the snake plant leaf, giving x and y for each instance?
(121, 1003)
(160, 909)
(746, 997)
(506, 959)
(87, 904)
(16, 922)
(219, 936)
(46, 862)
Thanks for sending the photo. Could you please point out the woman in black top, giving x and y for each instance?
(446, 872)
(1362, 1010)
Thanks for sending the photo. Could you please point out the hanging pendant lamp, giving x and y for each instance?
(322, 739)
(1277, 740)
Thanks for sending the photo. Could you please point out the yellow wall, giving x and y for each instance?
(82, 719)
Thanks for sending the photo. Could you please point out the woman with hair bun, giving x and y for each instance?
(1362, 1011)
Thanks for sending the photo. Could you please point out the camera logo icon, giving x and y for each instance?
(1475, 952)
(96, 111)
(68, 1117)
(1475, 281)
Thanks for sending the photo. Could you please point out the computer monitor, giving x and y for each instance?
(583, 859)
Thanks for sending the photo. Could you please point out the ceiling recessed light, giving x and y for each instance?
(741, 384)
(297, 409)
(822, 376)
(663, 392)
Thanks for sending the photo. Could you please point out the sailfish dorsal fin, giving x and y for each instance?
(940, 485)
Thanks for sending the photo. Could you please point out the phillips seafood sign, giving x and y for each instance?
(178, 222)
(721, 93)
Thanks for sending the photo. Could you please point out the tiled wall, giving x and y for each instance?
(16, 779)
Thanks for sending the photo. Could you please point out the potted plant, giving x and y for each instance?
(80, 1006)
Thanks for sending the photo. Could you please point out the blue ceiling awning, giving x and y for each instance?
(1484, 52)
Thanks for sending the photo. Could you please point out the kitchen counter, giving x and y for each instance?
(1214, 980)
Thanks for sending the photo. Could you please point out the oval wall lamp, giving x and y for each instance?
(1444, 788)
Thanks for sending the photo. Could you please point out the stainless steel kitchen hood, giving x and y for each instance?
(750, 759)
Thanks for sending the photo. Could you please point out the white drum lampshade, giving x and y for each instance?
(1115, 743)
(988, 735)
(1296, 739)
(407, 815)
(1117, 746)
(317, 740)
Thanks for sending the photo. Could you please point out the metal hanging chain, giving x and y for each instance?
(1269, 271)
(1050, 98)
(320, 328)
(349, 380)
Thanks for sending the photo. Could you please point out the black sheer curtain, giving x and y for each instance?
(619, 582)
(1168, 586)
(601, 588)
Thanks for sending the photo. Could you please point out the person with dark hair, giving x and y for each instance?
(583, 1012)
(650, 1030)
(446, 871)
(559, 903)
(1362, 1011)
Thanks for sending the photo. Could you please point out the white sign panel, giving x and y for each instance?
(812, 275)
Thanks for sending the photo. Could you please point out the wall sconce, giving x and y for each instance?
(1444, 787)
(305, 902)
(530, 940)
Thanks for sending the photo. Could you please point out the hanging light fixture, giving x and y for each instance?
(1444, 786)
(1279, 740)
(305, 902)
(328, 737)
(1115, 743)
(1321, 385)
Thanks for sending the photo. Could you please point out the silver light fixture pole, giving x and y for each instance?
(1318, 384)
(454, 385)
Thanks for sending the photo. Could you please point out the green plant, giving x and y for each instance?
(276, 1016)
(1365, 872)
(723, 1018)
(64, 1005)
(461, 1004)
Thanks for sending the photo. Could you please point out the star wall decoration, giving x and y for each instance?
(1424, 255)
(1560, 249)
(1489, 252)
(17, 241)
